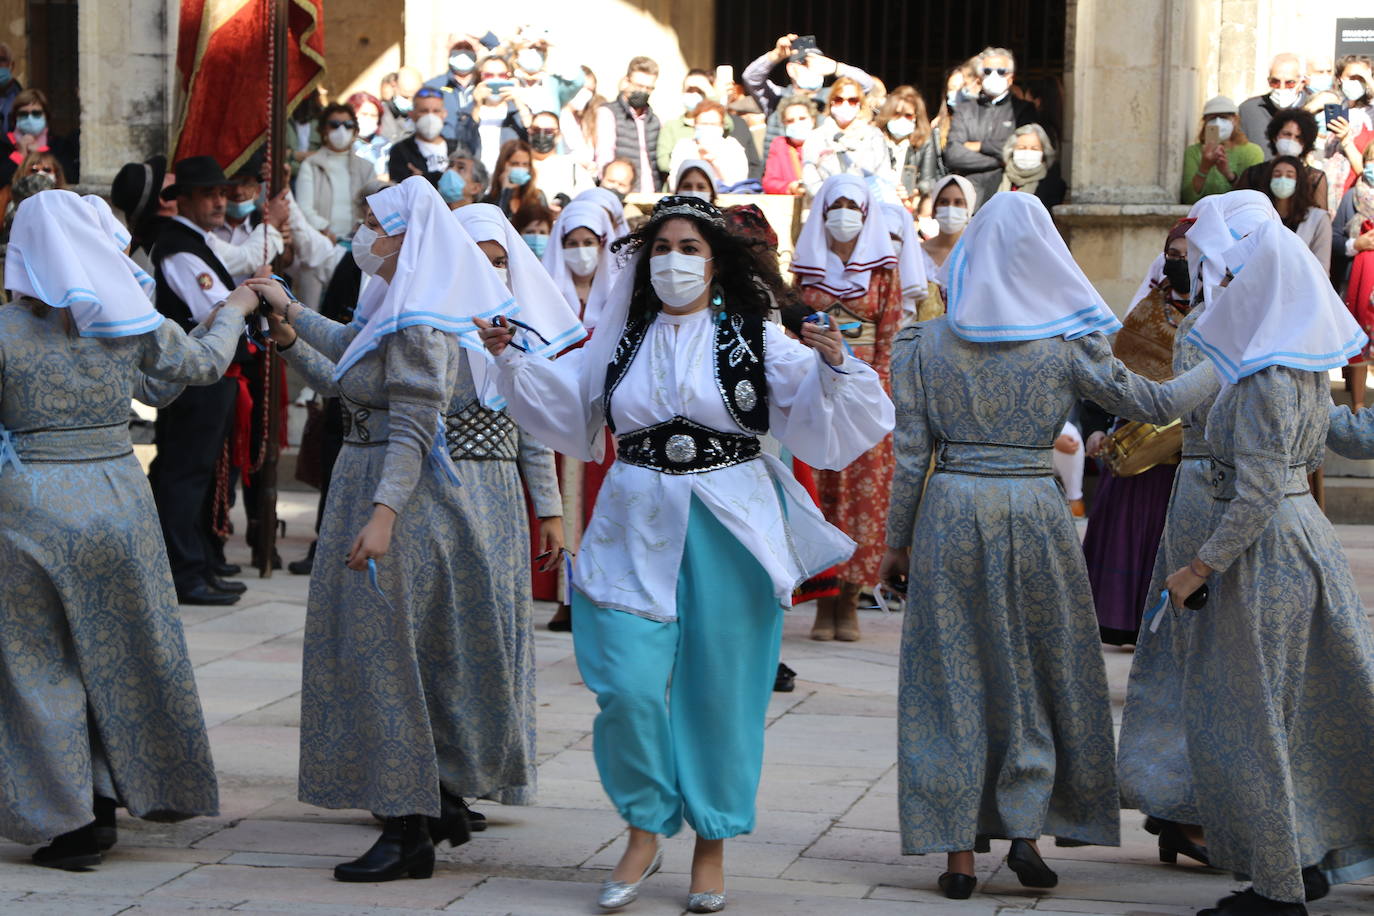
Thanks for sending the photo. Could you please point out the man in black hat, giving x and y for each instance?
(191, 431)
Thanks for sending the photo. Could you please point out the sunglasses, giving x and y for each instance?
(1275, 83)
(848, 99)
(41, 170)
(28, 111)
(543, 132)
(1000, 71)
(429, 93)
(351, 125)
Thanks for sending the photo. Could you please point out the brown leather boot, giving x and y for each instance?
(847, 613)
(823, 630)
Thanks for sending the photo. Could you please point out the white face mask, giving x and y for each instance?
(799, 130)
(1320, 82)
(530, 60)
(952, 220)
(709, 134)
(897, 247)
(678, 279)
(1225, 127)
(582, 261)
(809, 80)
(368, 262)
(844, 113)
(504, 274)
(579, 101)
(429, 126)
(462, 62)
(699, 195)
(690, 101)
(1027, 160)
(1283, 188)
(901, 128)
(367, 126)
(1284, 98)
(1286, 146)
(341, 138)
(843, 224)
(1352, 90)
(994, 84)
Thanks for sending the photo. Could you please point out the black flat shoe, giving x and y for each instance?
(1173, 842)
(205, 596)
(106, 834)
(303, 566)
(957, 886)
(1249, 903)
(561, 622)
(228, 586)
(74, 851)
(786, 680)
(403, 850)
(982, 843)
(453, 823)
(1030, 869)
(1314, 883)
(227, 570)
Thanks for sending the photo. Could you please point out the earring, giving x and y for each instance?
(717, 296)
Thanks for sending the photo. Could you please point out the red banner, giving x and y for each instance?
(224, 72)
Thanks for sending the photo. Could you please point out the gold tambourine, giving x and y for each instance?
(1136, 447)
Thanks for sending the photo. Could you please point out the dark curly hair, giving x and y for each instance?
(741, 276)
(1307, 128)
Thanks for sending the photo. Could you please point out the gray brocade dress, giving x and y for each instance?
(438, 686)
(97, 694)
(1279, 674)
(1004, 722)
(1152, 756)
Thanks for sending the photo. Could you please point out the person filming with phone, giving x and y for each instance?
(1210, 166)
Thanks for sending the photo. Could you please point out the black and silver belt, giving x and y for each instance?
(475, 433)
(680, 446)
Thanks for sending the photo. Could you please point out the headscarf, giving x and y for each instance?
(614, 207)
(63, 254)
(1154, 277)
(1026, 181)
(701, 165)
(1011, 277)
(1278, 310)
(911, 263)
(442, 279)
(538, 302)
(1220, 221)
(122, 239)
(582, 213)
(748, 220)
(818, 266)
(970, 193)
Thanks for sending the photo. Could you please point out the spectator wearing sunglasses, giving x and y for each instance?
(846, 143)
(979, 132)
(1287, 89)
(328, 185)
(556, 173)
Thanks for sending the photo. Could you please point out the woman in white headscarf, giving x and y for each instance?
(911, 261)
(382, 698)
(954, 200)
(846, 265)
(1278, 683)
(100, 703)
(694, 178)
(1004, 721)
(1152, 758)
(699, 538)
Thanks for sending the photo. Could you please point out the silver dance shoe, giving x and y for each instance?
(709, 902)
(616, 894)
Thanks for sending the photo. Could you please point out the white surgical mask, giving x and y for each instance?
(1225, 127)
(798, 130)
(1320, 82)
(579, 101)
(367, 126)
(843, 224)
(1352, 89)
(690, 101)
(809, 80)
(363, 240)
(1283, 188)
(504, 274)
(951, 219)
(897, 247)
(994, 84)
(1287, 146)
(1027, 159)
(582, 261)
(844, 113)
(1284, 98)
(901, 128)
(709, 134)
(429, 126)
(699, 195)
(462, 62)
(678, 279)
(341, 138)
(530, 60)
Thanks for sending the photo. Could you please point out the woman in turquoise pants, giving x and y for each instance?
(698, 538)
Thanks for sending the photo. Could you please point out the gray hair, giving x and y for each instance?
(1021, 131)
(984, 54)
(371, 187)
(479, 171)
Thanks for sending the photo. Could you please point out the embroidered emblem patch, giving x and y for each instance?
(205, 281)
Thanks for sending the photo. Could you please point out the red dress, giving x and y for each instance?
(855, 499)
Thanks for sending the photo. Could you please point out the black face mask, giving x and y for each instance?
(638, 99)
(542, 143)
(1176, 272)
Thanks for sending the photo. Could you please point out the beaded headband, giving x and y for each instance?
(684, 205)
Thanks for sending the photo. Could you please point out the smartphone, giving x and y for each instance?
(804, 44)
(497, 85)
(1210, 135)
(1332, 112)
(725, 78)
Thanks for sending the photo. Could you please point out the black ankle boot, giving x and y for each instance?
(106, 832)
(1030, 869)
(71, 851)
(454, 822)
(403, 849)
(1249, 903)
(1314, 883)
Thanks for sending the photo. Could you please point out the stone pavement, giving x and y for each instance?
(826, 841)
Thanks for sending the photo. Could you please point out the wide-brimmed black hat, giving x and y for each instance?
(195, 172)
(137, 186)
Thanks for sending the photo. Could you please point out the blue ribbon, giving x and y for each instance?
(1155, 616)
(441, 459)
(8, 453)
(376, 586)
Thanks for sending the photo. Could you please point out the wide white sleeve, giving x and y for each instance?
(305, 187)
(545, 397)
(246, 257)
(313, 247)
(827, 416)
(194, 283)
